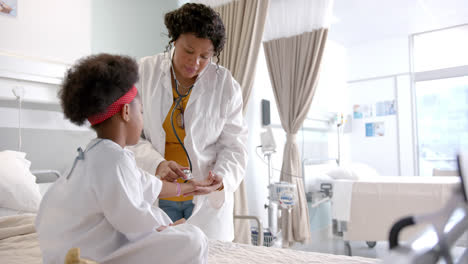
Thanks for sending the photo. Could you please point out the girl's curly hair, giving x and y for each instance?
(199, 19)
(94, 83)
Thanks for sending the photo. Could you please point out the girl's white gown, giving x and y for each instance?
(105, 207)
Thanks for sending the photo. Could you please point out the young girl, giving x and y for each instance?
(104, 205)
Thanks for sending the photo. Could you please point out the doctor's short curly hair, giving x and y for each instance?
(94, 83)
(199, 19)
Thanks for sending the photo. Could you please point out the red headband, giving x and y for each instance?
(114, 108)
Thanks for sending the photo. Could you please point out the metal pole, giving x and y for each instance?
(272, 207)
(339, 152)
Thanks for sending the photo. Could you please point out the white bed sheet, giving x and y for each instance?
(19, 245)
(233, 253)
(341, 199)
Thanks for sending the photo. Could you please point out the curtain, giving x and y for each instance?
(244, 21)
(293, 58)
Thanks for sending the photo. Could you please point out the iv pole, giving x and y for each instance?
(268, 148)
(338, 126)
(272, 207)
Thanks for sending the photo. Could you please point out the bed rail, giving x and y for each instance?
(259, 225)
(41, 173)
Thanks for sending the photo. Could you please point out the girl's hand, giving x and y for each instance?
(178, 222)
(161, 228)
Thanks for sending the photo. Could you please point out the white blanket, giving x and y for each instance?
(18, 240)
(341, 199)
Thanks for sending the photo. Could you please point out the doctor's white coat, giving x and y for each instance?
(216, 136)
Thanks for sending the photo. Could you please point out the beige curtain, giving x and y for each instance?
(293, 65)
(244, 21)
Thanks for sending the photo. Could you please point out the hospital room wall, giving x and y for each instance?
(48, 29)
(384, 64)
(315, 140)
(39, 44)
(134, 28)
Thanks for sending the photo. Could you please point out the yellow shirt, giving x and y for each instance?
(174, 150)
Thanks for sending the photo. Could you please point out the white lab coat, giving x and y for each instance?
(105, 209)
(216, 136)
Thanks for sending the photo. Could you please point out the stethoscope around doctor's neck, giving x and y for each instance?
(178, 102)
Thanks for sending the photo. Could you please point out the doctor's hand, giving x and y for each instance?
(4, 8)
(210, 184)
(170, 171)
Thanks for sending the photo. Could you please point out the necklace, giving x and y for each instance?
(181, 90)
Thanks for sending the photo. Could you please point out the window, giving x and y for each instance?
(441, 49)
(442, 116)
(441, 97)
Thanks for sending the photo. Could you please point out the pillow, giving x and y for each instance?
(353, 171)
(18, 189)
(342, 173)
(361, 170)
(315, 174)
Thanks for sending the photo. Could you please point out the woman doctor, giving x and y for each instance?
(207, 119)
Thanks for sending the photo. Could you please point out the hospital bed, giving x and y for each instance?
(19, 242)
(19, 245)
(446, 226)
(364, 205)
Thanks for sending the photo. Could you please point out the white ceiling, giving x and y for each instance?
(361, 21)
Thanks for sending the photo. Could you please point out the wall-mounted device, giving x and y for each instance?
(265, 112)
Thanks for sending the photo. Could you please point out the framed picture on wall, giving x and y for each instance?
(8, 7)
(375, 129)
(362, 111)
(385, 108)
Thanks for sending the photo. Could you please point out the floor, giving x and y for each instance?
(323, 241)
